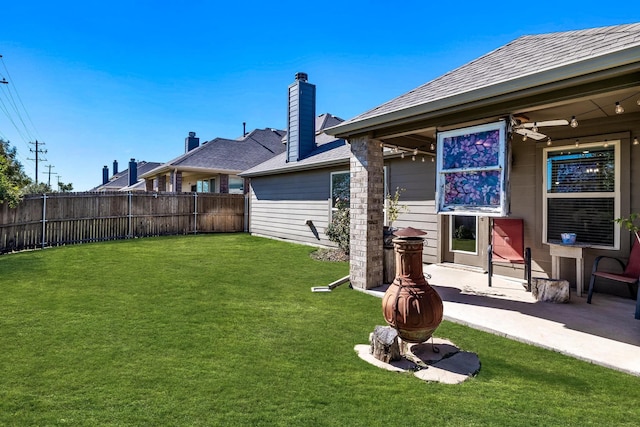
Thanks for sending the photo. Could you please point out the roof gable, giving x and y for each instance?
(524, 56)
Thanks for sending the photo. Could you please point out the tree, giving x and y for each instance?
(12, 176)
(65, 188)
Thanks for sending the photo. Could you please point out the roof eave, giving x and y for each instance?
(611, 64)
(296, 168)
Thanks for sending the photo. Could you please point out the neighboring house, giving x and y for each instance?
(293, 194)
(213, 167)
(125, 181)
(574, 95)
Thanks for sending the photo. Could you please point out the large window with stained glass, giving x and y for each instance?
(581, 193)
(472, 170)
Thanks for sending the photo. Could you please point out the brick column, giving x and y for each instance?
(224, 183)
(162, 183)
(367, 188)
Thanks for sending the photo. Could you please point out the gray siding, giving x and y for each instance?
(418, 181)
(526, 189)
(281, 204)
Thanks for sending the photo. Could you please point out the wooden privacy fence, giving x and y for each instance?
(56, 219)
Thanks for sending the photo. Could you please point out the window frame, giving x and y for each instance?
(616, 193)
(502, 167)
(451, 230)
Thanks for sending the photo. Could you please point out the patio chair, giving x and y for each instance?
(507, 246)
(630, 274)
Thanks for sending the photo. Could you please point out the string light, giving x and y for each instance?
(619, 109)
(635, 141)
(573, 123)
(433, 146)
(415, 151)
(606, 143)
(638, 101)
(433, 160)
(524, 137)
(577, 143)
(422, 159)
(395, 149)
(549, 141)
(413, 158)
(402, 155)
(535, 127)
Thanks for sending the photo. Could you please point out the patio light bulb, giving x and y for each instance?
(433, 160)
(577, 143)
(413, 158)
(573, 123)
(415, 151)
(619, 109)
(535, 127)
(433, 146)
(549, 141)
(635, 141)
(638, 101)
(395, 149)
(422, 159)
(524, 138)
(402, 155)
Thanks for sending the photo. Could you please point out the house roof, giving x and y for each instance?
(329, 150)
(121, 179)
(229, 155)
(550, 57)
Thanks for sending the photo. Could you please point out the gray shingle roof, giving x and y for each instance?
(329, 150)
(233, 154)
(522, 57)
(121, 179)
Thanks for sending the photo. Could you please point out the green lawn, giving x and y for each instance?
(223, 330)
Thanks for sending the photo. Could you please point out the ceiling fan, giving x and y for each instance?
(522, 126)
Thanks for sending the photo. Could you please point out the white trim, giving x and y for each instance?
(616, 193)
(451, 220)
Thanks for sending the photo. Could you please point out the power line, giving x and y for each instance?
(38, 151)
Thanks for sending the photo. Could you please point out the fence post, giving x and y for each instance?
(246, 213)
(130, 229)
(195, 213)
(44, 219)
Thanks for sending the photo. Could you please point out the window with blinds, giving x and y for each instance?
(581, 193)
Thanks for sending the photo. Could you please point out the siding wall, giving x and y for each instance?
(526, 188)
(281, 204)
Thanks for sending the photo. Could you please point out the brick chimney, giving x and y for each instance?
(301, 120)
(133, 171)
(191, 142)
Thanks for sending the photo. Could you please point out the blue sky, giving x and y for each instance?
(129, 79)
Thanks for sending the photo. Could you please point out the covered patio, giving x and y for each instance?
(569, 122)
(602, 333)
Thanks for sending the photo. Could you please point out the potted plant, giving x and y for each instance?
(628, 223)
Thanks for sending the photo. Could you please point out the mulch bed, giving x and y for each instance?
(329, 255)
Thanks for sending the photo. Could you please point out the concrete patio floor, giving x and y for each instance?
(604, 332)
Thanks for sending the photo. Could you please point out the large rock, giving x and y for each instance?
(551, 290)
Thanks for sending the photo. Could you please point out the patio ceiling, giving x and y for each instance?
(584, 107)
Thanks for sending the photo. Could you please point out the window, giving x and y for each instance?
(463, 231)
(471, 170)
(205, 186)
(340, 189)
(236, 185)
(581, 193)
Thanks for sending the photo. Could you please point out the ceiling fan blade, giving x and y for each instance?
(531, 134)
(546, 123)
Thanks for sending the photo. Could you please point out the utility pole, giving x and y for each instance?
(49, 173)
(37, 151)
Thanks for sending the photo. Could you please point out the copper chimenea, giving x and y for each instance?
(410, 305)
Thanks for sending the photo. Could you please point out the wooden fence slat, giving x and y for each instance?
(89, 217)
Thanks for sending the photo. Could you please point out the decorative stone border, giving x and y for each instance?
(449, 365)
